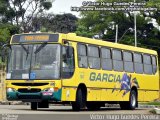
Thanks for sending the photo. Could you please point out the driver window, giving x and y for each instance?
(67, 62)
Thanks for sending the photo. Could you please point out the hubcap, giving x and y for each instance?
(133, 100)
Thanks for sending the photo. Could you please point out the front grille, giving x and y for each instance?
(30, 84)
(29, 97)
(32, 90)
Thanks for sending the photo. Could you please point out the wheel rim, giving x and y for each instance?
(133, 100)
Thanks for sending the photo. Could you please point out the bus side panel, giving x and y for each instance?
(140, 95)
(94, 95)
(106, 95)
(146, 95)
(148, 87)
(109, 95)
(68, 94)
(151, 95)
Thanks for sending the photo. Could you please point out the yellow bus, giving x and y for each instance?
(45, 68)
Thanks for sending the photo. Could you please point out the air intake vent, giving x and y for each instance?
(32, 90)
(30, 84)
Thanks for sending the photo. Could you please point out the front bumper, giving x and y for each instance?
(32, 97)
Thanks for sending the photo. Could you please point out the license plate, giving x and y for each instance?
(47, 93)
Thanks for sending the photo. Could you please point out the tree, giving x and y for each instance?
(103, 23)
(21, 12)
(63, 23)
(4, 35)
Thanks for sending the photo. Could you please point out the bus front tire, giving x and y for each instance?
(43, 104)
(131, 105)
(34, 105)
(80, 101)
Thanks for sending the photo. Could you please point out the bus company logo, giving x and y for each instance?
(104, 77)
(121, 83)
(29, 88)
(81, 75)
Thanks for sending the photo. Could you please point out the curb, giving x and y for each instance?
(157, 110)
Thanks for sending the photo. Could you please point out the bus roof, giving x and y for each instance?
(99, 42)
(75, 38)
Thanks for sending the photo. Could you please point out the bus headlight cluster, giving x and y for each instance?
(11, 90)
(49, 90)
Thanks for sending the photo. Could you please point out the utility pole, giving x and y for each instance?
(135, 27)
(116, 39)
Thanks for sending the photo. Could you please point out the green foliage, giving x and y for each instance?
(152, 103)
(16, 16)
(4, 35)
(64, 23)
(12, 28)
(83, 31)
(104, 22)
(21, 12)
(6, 30)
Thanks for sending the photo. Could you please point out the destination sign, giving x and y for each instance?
(38, 37)
(35, 37)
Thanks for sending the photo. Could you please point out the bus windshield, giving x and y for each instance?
(38, 61)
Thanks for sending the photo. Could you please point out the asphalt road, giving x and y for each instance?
(23, 112)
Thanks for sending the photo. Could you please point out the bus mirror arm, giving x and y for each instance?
(3, 53)
(69, 50)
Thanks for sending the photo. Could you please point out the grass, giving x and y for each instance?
(151, 103)
(152, 111)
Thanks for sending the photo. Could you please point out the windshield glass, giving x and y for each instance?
(45, 62)
(39, 61)
(19, 62)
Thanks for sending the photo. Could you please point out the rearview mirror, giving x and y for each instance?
(69, 51)
(4, 52)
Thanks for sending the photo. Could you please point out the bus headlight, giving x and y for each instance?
(11, 90)
(49, 90)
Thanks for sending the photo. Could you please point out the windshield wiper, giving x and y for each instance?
(40, 47)
(25, 49)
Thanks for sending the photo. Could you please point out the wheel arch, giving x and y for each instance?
(83, 87)
(136, 90)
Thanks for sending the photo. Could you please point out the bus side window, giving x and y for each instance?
(117, 60)
(138, 63)
(82, 56)
(67, 62)
(93, 57)
(147, 64)
(106, 59)
(128, 61)
(154, 64)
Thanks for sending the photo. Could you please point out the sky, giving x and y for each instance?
(63, 6)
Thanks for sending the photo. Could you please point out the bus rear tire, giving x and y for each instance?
(34, 105)
(80, 101)
(131, 105)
